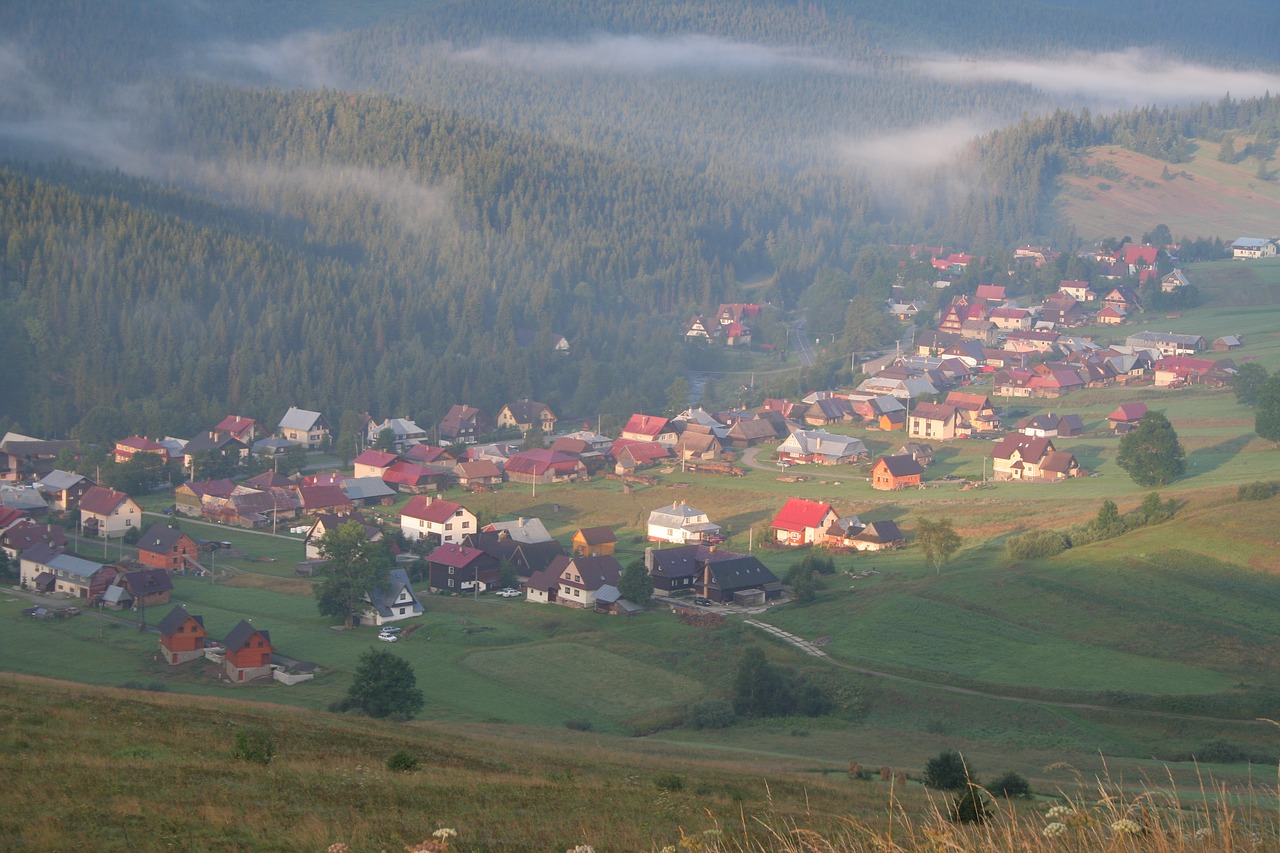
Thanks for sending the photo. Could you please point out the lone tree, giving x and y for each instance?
(385, 686)
(1151, 454)
(353, 566)
(635, 584)
(947, 772)
(1248, 381)
(1266, 415)
(938, 541)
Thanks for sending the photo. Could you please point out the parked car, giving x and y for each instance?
(508, 593)
(704, 602)
(388, 638)
(390, 629)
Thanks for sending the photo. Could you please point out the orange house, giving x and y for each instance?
(895, 472)
(248, 653)
(182, 636)
(594, 542)
(163, 547)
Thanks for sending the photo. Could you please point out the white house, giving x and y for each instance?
(393, 601)
(681, 524)
(438, 521)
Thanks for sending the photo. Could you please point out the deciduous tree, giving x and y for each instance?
(938, 541)
(353, 566)
(635, 584)
(1267, 412)
(1247, 382)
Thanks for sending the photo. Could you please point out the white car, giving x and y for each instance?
(509, 593)
(388, 638)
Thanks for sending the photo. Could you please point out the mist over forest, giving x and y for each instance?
(214, 207)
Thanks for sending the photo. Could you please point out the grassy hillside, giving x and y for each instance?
(1117, 192)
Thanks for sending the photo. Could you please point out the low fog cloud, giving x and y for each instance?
(1123, 79)
(300, 60)
(638, 54)
(917, 149)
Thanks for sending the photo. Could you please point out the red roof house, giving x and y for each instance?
(1126, 417)
(802, 522)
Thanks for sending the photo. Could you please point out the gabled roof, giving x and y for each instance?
(741, 571)
(677, 515)
(235, 425)
(174, 620)
(527, 557)
(161, 539)
(1028, 447)
(819, 442)
(678, 562)
(990, 291)
(213, 488)
(521, 530)
(539, 460)
(386, 596)
(880, 532)
(427, 509)
(57, 481)
(650, 425)
(528, 411)
(375, 459)
(321, 497)
(1128, 412)
(899, 466)
(146, 581)
(409, 474)
(458, 556)
(268, 479)
(798, 514)
(479, 469)
(596, 535)
(241, 634)
(640, 451)
(366, 488)
(428, 454)
(100, 500)
(301, 419)
(934, 412)
(26, 534)
(460, 417)
(594, 571)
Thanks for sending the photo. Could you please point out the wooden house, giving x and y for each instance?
(594, 542)
(895, 472)
(182, 636)
(525, 414)
(146, 587)
(248, 653)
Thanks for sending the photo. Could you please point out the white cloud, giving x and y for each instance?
(1128, 78)
(916, 149)
(298, 60)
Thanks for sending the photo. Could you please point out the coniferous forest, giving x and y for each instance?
(238, 209)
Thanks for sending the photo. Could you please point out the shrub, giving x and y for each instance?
(578, 724)
(971, 807)
(403, 762)
(1036, 545)
(1012, 785)
(711, 714)
(255, 745)
(671, 782)
(1221, 751)
(1256, 491)
(947, 772)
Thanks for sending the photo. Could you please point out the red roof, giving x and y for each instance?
(322, 497)
(1184, 365)
(424, 453)
(100, 500)
(640, 451)
(538, 461)
(1128, 412)
(798, 515)
(10, 517)
(990, 291)
(650, 425)
(1140, 255)
(457, 556)
(436, 511)
(235, 425)
(376, 459)
(408, 474)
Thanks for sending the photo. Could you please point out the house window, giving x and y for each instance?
(465, 525)
(450, 581)
(451, 570)
(449, 526)
(402, 611)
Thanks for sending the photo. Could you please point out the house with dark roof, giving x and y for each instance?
(872, 536)
(748, 432)
(215, 444)
(1126, 417)
(324, 500)
(674, 570)
(404, 433)
(463, 424)
(819, 447)
(525, 414)
(594, 541)
(25, 533)
(936, 421)
(164, 547)
(802, 522)
(895, 472)
(393, 600)
(248, 653)
(574, 581)
(25, 458)
(541, 465)
(46, 569)
(458, 568)
(182, 636)
(1024, 457)
(107, 513)
(146, 587)
(528, 558)
(729, 578)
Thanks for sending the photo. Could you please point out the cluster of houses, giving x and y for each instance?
(730, 326)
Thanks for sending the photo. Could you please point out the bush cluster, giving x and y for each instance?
(255, 745)
(1257, 491)
(1109, 523)
(403, 762)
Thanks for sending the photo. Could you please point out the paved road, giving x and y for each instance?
(803, 348)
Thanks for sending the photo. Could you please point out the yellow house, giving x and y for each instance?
(594, 542)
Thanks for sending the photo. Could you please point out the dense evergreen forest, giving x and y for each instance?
(255, 208)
